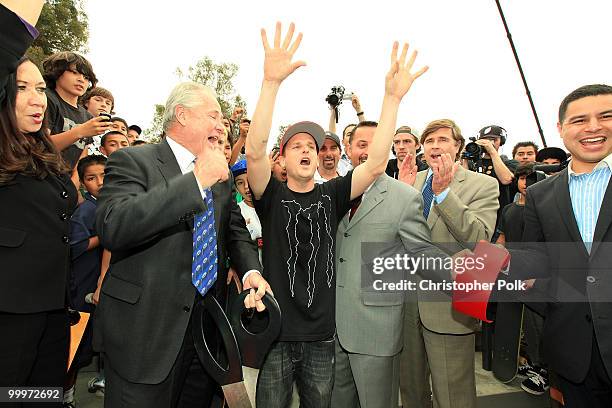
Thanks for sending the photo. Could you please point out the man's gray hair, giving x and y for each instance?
(186, 94)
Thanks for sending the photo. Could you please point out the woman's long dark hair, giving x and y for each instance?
(30, 154)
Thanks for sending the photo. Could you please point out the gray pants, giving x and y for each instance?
(365, 381)
(448, 359)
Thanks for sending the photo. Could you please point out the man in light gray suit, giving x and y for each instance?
(460, 207)
(369, 325)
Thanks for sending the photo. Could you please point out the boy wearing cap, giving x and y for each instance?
(247, 208)
(329, 156)
(133, 133)
(405, 144)
(299, 220)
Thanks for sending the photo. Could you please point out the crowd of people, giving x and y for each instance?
(96, 220)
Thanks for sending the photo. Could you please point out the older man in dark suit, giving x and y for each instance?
(170, 222)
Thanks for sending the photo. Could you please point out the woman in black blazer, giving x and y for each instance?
(36, 201)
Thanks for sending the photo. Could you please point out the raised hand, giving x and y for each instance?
(277, 63)
(356, 104)
(399, 79)
(408, 171)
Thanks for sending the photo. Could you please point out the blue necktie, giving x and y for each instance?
(204, 261)
(427, 197)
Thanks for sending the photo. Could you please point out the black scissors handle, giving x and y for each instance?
(255, 346)
(233, 372)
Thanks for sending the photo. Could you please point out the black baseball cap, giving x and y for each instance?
(136, 128)
(492, 130)
(311, 128)
(333, 137)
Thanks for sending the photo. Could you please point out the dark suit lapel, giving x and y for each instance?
(168, 166)
(372, 198)
(564, 202)
(603, 220)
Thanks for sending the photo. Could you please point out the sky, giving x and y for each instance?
(135, 47)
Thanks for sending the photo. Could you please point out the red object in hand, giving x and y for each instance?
(474, 302)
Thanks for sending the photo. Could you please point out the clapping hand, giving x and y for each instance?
(408, 171)
(444, 170)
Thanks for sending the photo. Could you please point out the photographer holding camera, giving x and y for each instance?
(482, 155)
(335, 98)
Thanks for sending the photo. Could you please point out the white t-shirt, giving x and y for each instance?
(252, 222)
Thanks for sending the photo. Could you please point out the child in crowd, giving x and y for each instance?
(98, 100)
(134, 132)
(86, 259)
(113, 141)
(68, 76)
(119, 125)
(511, 231)
(247, 208)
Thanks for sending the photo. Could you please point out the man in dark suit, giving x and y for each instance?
(151, 199)
(568, 238)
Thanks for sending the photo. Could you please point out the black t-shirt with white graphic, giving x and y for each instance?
(299, 255)
(61, 117)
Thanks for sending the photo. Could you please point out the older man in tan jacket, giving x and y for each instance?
(460, 207)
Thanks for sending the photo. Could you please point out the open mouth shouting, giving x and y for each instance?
(305, 162)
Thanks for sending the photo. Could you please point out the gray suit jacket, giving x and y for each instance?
(391, 212)
(145, 218)
(466, 215)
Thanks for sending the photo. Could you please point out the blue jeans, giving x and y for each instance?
(310, 364)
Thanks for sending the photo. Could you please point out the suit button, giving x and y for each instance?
(64, 194)
(346, 234)
(591, 279)
(186, 308)
(588, 318)
(341, 259)
(63, 216)
(65, 239)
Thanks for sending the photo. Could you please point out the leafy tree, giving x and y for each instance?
(63, 26)
(217, 76)
(153, 134)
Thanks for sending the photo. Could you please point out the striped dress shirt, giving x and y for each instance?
(587, 192)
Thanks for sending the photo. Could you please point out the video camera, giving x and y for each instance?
(551, 168)
(335, 98)
(473, 152)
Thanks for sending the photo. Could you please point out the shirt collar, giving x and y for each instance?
(183, 156)
(605, 162)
